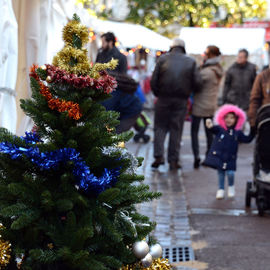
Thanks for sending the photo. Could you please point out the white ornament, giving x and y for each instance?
(147, 260)
(156, 251)
(140, 249)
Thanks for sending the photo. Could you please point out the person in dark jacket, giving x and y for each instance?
(175, 77)
(239, 80)
(223, 152)
(124, 101)
(109, 52)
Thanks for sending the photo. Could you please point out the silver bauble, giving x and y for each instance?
(140, 249)
(147, 260)
(156, 251)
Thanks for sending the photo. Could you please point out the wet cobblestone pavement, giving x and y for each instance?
(224, 235)
(170, 211)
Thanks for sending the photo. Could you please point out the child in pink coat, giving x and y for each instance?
(223, 152)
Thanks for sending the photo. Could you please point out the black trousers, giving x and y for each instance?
(169, 118)
(195, 126)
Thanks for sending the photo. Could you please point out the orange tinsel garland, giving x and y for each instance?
(72, 108)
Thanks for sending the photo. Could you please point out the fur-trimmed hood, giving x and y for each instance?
(227, 108)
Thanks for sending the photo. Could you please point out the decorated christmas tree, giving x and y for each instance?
(68, 191)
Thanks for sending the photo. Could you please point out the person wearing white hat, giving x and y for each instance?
(178, 42)
(175, 77)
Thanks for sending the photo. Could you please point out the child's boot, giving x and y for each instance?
(231, 191)
(220, 194)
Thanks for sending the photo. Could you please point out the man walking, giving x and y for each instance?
(174, 78)
(109, 51)
(239, 80)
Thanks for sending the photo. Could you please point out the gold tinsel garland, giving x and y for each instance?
(100, 67)
(82, 66)
(71, 58)
(110, 65)
(5, 250)
(63, 60)
(75, 28)
(158, 264)
(74, 59)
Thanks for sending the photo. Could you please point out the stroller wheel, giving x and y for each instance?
(146, 138)
(248, 194)
(136, 138)
(260, 205)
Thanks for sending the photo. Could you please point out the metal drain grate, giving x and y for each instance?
(178, 254)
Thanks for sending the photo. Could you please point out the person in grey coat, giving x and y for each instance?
(239, 81)
(205, 100)
(175, 77)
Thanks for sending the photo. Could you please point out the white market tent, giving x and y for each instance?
(8, 66)
(229, 40)
(132, 35)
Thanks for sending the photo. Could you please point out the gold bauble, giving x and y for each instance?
(158, 264)
(5, 249)
(50, 245)
(121, 145)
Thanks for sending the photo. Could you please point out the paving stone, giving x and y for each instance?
(170, 211)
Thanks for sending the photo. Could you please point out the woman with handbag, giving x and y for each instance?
(205, 101)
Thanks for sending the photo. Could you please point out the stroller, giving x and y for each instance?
(260, 187)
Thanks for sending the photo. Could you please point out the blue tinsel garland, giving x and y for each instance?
(31, 138)
(51, 160)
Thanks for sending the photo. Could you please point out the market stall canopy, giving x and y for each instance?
(132, 35)
(229, 40)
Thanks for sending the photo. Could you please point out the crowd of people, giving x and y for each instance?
(175, 80)
(176, 77)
